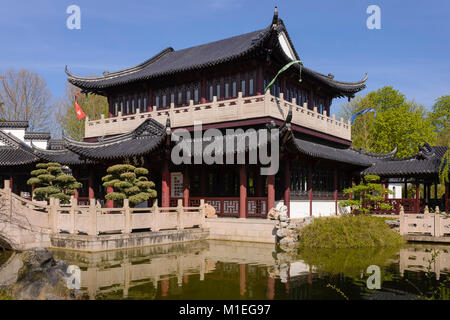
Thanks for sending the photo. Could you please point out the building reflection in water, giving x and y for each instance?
(231, 270)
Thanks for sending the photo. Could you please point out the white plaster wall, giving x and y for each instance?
(18, 133)
(397, 188)
(320, 208)
(41, 144)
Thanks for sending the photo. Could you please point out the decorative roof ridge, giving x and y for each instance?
(36, 149)
(37, 135)
(327, 77)
(375, 155)
(13, 141)
(117, 138)
(122, 72)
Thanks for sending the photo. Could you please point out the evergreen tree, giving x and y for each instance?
(129, 183)
(368, 195)
(51, 182)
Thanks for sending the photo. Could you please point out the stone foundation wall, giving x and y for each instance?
(252, 230)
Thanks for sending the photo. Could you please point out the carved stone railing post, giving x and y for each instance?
(155, 226)
(127, 216)
(437, 224)
(202, 212)
(180, 212)
(73, 205)
(92, 230)
(53, 214)
(240, 106)
(402, 220)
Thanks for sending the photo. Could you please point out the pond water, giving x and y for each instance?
(239, 270)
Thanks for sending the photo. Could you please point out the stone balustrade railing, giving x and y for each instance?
(434, 224)
(240, 108)
(93, 220)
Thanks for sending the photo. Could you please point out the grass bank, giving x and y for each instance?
(349, 232)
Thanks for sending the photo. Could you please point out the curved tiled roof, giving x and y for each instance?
(11, 156)
(144, 139)
(170, 61)
(425, 162)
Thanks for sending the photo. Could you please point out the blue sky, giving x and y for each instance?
(410, 52)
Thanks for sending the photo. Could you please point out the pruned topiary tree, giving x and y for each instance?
(129, 183)
(367, 195)
(51, 182)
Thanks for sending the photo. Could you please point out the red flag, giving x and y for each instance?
(79, 112)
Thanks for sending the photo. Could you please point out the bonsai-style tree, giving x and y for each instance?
(129, 183)
(367, 195)
(51, 182)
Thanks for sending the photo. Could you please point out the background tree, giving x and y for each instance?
(440, 118)
(51, 182)
(398, 122)
(25, 96)
(367, 195)
(92, 105)
(129, 183)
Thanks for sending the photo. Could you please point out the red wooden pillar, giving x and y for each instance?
(242, 279)
(446, 205)
(310, 187)
(165, 190)
(91, 184)
(417, 202)
(335, 191)
(243, 191)
(109, 203)
(287, 187)
(186, 186)
(270, 192)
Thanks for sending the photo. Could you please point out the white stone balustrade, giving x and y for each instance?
(240, 108)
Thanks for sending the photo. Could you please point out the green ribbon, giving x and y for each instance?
(284, 69)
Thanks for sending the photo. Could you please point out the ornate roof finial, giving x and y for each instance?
(275, 16)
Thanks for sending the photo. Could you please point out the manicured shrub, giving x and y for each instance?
(129, 183)
(51, 182)
(349, 232)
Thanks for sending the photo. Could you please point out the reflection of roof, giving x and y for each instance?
(144, 139)
(170, 61)
(426, 161)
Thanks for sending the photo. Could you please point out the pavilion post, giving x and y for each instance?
(270, 191)
(417, 202)
(287, 187)
(186, 186)
(109, 203)
(310, 187)
(335, 191)
(406, 189)
(243, 191)
(91, 183)
(165, 192)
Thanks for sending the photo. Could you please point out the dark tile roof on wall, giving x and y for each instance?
(14, 124)
(63, 156)
(144, 139)
(37, 136)
(170, 61)
(425, 162)
(10, 156)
